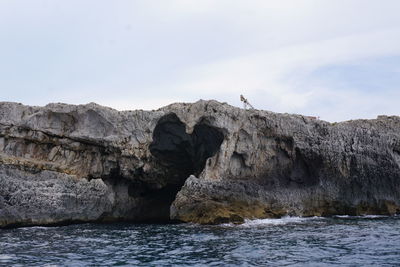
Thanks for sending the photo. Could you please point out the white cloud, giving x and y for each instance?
(144, 54)
(279, 74)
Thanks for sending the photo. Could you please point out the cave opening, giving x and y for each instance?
(180, 154)
(184, 153)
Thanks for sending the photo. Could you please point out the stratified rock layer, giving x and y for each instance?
(205, 162)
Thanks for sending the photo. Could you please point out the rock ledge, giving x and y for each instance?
(204, 162)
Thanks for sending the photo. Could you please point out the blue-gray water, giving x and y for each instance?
(351, 241)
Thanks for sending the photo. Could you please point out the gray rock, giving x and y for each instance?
(48, 197)
(65, 163)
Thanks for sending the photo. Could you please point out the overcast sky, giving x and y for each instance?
(336, 59)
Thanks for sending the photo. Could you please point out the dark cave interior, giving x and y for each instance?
(184, 153)
(181, 154)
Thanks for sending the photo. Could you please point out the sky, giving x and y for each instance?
(338, 60)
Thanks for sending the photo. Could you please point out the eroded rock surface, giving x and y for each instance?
(204, 162)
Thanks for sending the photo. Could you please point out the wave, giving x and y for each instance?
(6, 257)
(298, 220)
(278, 221)
(361, 216)
(30, 228)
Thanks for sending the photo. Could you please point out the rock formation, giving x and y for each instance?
(205, 162)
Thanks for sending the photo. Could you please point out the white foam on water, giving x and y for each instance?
(6, 257)
(361, 216)
(374, 216)
(30, 228)
(280, 221)
(342, 216)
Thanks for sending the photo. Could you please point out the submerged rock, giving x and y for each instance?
(205, 162)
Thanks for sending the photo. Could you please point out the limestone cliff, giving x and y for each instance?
(204, 162)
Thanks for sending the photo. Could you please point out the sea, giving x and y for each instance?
(289, 241)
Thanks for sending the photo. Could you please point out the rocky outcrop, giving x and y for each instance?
(205, 162)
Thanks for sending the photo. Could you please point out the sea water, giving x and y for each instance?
(342, 240)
